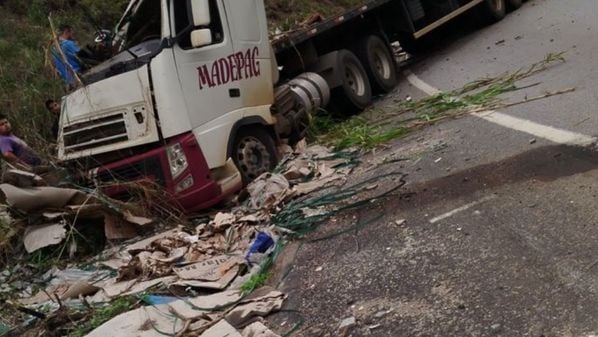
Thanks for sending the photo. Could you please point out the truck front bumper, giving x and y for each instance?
(192, 189)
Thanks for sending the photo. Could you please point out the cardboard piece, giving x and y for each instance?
(137, 220)
(117, 229)
(22, 178)
(79, 289)
(173, 255)
(150, 321)
(115, 263)
(258, 329)
(87, 210)
(36, 198)
(145, 244)
(63, 291)
(221, 329)
(113, 289)
(54, 216)
(37, 237)
(261, 302)
(219, 284)
(268, 190)
(201, 325)
(205, 306)
(223, 220)
(209, 270)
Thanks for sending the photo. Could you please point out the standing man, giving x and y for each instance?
(69, 49)
(54, 108)
(14, 150)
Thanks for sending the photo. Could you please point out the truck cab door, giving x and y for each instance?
(251, 44)
(204, 71)
(223, 67)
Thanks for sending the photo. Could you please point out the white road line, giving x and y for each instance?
(550, 133)
(419, 84)
(461, 209)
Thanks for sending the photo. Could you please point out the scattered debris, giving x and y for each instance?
(215, 270)
(496, 328)
(50, 215)
(268, 190)
(346, 326)
(40, 236)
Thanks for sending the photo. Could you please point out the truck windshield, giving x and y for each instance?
(141, 22)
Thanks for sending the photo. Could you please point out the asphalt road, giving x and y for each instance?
(501, 231)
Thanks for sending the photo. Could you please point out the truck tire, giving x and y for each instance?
(355, 93)
(514, 4)
(253, 152)
(492, 11)
(379, 63)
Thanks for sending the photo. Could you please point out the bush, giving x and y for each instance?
(27, 78)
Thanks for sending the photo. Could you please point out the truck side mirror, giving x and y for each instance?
(201, 37)
(200, 12)
(197, 33)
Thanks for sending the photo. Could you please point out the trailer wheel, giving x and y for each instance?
(514, 4)
(492, 11)
(253, 152)
(355, 92)
(379, 63)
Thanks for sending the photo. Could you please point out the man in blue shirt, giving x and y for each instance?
(69, 49)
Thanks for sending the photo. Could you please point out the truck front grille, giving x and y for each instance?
(94, 133)
(145, 169)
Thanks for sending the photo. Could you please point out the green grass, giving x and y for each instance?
(354, 132)
(378, 126)
(254, 282)
(27, 79)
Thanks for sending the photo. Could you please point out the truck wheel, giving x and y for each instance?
(514, 4)
(355, 93)
(492, 11)
(379, 63)
(254, 153)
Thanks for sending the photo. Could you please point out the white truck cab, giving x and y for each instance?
(197, 94)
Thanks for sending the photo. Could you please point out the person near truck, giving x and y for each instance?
(54, 108)
(70, 49)
(14, 150)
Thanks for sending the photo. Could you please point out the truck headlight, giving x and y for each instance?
(176, 159)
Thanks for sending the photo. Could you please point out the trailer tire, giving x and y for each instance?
(355, 93)
(253, 152)
(514, 4)
(492, 11)
(379, 63)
